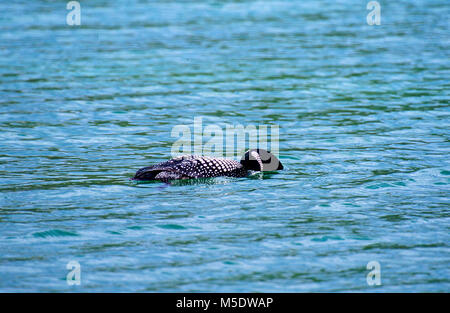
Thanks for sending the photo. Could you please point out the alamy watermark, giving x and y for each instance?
(74, 276)
(373, 278)
(374, 16)
(74, 16)
(230, 141)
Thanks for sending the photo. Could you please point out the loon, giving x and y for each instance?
(192, 166)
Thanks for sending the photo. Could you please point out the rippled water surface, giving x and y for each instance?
(364, 125)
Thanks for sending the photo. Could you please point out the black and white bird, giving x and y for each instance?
(191, 166)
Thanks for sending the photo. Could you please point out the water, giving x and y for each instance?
(364, 125)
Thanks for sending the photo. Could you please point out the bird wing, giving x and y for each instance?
(182, 165)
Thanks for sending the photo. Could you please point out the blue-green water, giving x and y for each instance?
(364, 125)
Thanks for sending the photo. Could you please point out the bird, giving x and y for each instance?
(193, 166)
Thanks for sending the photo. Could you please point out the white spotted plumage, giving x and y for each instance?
(192, 166)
